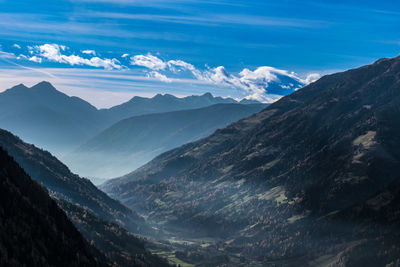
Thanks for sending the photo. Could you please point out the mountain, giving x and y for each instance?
(34, 231)
(160, 104)
(47, 117)
(62, 184)
(50, 119)
(310, 180)
(132, 142)
(100, 219)
(245, 101)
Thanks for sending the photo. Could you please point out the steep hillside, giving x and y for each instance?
(275, 186)
(62, 184)
(133, 142)
(34, 231)
(119, 245)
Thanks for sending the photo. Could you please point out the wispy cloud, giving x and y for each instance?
(171, 4)
(6, 55)
(30, 25)
(215, 19)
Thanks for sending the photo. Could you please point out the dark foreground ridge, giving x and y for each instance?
(98, 217)
(34, 231)
(63, 184)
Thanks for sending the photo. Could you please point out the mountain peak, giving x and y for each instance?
(20, 86)
(44, 85)
(208, 95)
(249, 101)
(160, 96)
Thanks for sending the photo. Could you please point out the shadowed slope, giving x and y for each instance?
(62, 184)
(34, 231)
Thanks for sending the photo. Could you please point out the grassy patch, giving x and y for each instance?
(367, 140)
(170, 256)
(295, 218)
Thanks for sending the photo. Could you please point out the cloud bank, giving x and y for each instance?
(56, 53)
(266, 84)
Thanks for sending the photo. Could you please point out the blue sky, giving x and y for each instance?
(188, 47)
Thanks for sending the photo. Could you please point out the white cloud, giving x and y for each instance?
(53, 52)
(257, 83)
(266, 84)
(158, 76)
(154, 63)
(312, 77)
(17, 46)
(149, 61)
(89, 52)
(35, 59)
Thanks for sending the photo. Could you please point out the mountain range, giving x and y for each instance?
(59, 123)
(313, 179)
(162, 103)
(132, 142)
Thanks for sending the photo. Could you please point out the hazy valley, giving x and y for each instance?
(311, 179)
(199, 133)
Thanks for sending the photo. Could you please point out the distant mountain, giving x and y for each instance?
(34, 231)
(47, 117)
(310, 180)
(59, 123)
(248, 101)
(132, 142)
(62, 184)
(160, 104)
